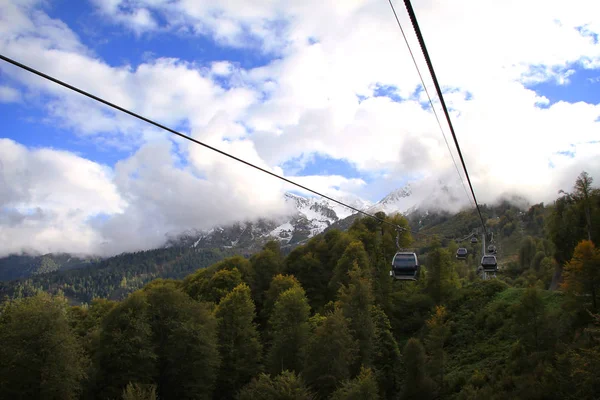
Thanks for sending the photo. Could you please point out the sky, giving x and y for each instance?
(322, 92)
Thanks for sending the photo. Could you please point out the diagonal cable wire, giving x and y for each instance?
(415, 23)
(182, 135)
(430, 102)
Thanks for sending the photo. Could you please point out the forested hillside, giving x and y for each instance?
(327, 322)
(115, 277)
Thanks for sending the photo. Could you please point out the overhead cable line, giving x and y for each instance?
(430, 102)
(182, 135)
(413, 19)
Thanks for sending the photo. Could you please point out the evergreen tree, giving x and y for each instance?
(363, 387)
(238, 341)
(418, 385)
(356, 301)
(290, 331)
(531, 319)
(438, 334)
(312, 275)
(441, 275)
(386, 354)
(135, 391)
(354, 254)
(330, 354)
(287, 386)
(266, 264)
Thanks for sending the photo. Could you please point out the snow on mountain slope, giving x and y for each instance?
(397, 201)
(309, 216)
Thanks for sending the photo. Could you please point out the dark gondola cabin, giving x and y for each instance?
(489, 263)
(474, 239)
(491, 249)
(461, 253)
(405, 266)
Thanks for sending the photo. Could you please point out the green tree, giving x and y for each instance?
(418, 385)
(40, 357)
(531, 319)
(290, 331)
(239, 346)
(312, 275)
(354, 254)
(439, 332)
(330, 354)
(197, 283)
(266, 265)
(221, 283)
(126, 352)
(287, 386)
(527, 252)
(441, 275)
(135, 391)
(279, 284)
(185, 341)
(583, 193)
(356, 301)
(570, 221)
(363, 387)
(386, 354)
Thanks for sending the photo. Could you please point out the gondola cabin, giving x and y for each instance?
(461, 253)
(405, 266)
(489, 264)
(491, 249)
(474, 239)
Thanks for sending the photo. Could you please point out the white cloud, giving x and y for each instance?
(9, 95)
(312, 103)
(46, 197)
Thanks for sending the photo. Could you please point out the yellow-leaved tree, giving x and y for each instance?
(582, 272)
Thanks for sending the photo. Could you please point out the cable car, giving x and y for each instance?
(474, 239)
(405, 266)
(461, 253)
(489, 263)
(491, 249)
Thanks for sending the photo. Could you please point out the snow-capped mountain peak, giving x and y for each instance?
(398, 201)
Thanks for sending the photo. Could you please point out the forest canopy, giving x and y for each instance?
(325, 321)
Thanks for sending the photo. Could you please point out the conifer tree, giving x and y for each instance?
(354, 254)
(417, 384)
(290, 331)
(239, 345)
(363, 387)
(356, 301)
(386, 354)
(330, 354)
(287, 386)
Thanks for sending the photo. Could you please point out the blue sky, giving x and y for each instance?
(582, 85)
(27, 122)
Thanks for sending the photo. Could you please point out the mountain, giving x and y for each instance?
(22, 266)
(395, 202)
(310, 217)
